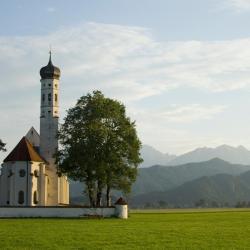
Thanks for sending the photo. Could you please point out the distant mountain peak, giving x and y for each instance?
(236, 155)
(152, 156)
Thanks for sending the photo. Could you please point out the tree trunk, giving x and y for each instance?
(91, 195)
(108, 200)
(99, 195)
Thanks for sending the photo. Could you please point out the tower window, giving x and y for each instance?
(21, 197)
(49, 97)
(49, 84)
(43, 97)
(55, 97)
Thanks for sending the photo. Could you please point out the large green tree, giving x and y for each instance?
(99, 146)
(2, 146)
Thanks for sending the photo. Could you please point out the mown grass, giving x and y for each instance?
(175, 229)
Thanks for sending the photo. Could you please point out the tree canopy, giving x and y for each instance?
(2, 146)
(99, 146)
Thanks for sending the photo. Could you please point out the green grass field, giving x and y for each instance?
(167, 229)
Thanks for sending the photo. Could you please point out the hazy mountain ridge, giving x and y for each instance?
(151, 157)
(236, 155)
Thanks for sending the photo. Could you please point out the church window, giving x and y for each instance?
(49, 97)
(35, 198)
(22, 173)
(43, 98)
(10, 173)
(55, 85)
(21, 197)
(49, 84)
(55, 97)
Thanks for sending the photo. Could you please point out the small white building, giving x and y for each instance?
(29, 176)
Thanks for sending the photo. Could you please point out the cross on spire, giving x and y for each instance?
(50, 53)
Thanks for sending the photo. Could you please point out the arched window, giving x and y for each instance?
(55, 97)
(49, 97)
(22, 173)
(35, 198)
(21, 197)
(43, 97)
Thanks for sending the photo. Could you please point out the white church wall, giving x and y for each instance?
(37, 173)
(63, 190)
(19, 177)
(4, 185)
(65, 212)
(20, 181)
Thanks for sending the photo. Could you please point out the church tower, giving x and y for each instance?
(49, 118)
(49, 115)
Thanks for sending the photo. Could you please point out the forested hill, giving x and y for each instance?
(212, 191)
(162, 178)
(159, 179)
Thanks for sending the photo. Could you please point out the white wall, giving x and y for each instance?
(10, 186)
(17, 212)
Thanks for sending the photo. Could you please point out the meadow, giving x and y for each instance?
(145, 229)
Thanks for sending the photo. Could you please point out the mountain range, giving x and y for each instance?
(214, 181)
(162, 178)
(216, 190)
(236, 155)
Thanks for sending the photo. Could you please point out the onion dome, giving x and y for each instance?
(50, 71)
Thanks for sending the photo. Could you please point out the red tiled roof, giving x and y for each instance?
(23, 151)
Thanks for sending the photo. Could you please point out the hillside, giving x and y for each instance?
(219, 189)
(160, 178)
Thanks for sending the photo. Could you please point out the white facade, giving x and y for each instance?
(23, 184)
(29, 174)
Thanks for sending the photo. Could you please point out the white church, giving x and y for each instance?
(29, 175)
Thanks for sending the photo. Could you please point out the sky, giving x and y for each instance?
(182, 68)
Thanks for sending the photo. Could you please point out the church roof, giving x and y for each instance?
(24, 151)
(50, 71)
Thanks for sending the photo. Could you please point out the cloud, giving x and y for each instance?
(126, 63)
(237, 5)
(178, 114)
